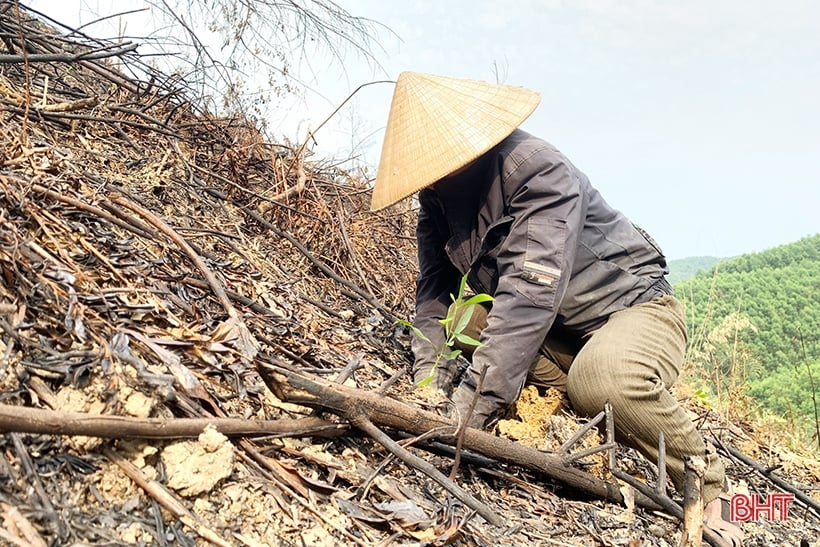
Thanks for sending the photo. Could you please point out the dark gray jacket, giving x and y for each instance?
(535, 234)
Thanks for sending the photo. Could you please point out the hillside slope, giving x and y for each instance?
(756, 319)
(686, 268)
(155, 257)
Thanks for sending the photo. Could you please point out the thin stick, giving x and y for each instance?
(610, 432)
(100, 53)
(155, 221)
(668, 504)
(661, 486)
(360, 421)
(165, 498)
(692, 532)
(465, 420)
(353, 258)
(324, 268)
(575, 456)
(766, 473)
(31, 537)
(34, 477)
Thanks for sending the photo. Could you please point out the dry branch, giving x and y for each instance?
(123, 221)
(52, 422)
(692, 532)
(101, 53)
(166, 499)
(324, 268)
(768, 474)
(216, 286)
(361, 421)
(387, 412)
(17, 526)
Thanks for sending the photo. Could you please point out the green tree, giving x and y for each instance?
(753, 323)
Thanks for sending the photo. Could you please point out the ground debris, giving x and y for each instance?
(105, 310)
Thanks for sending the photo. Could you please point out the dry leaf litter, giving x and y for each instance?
(118, 193)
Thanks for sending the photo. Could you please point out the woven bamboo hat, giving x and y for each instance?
(439, 124)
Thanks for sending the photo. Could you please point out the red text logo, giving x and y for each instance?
(751, 507)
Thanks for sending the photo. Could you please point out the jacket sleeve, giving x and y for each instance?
(534, 265)
(437, 279)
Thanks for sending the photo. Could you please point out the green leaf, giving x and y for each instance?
(461, 287)
(468, 340)
(415, 330)
(450, 355)
(466, 314)
(447, 320)
(425, 381)
(478, 299)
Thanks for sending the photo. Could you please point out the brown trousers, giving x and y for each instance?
(631, 361)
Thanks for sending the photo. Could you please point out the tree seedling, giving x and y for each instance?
(457, 319)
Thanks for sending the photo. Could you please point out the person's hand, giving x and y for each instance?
(484, 413)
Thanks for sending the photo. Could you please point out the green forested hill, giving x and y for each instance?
(755, 320)
(686, 268)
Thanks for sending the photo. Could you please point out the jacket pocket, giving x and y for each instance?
(540, 270)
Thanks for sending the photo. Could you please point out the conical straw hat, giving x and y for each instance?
(439, 124)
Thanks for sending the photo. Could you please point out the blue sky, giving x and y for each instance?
(698, 119)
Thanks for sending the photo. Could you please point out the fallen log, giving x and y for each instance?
(351, 404)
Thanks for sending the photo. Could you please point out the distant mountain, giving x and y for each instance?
(686, 268)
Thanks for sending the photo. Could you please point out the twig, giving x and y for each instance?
(327, 309)
(158, 492)
(301, 181)
(244, 300)
(462, 426)
(353, 258)
(405, 442)
(99, 53)
(660, 486)
(360, 421)
(14, 540)
(358, 292)
(311, 134)
(595, 535)
(812, 387)
(191, 167)
(581, 454)
(216, 286)
(352, 365)
(34, 477)
(659, 496)
(692, 532)
(283, 476)
(85, 117)
(387, 384)
(768, 474)
(370, 299)
(31, 538)
(564, 449)
(69, 106)
(610, 433)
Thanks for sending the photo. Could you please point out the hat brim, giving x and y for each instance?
(439, 124)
